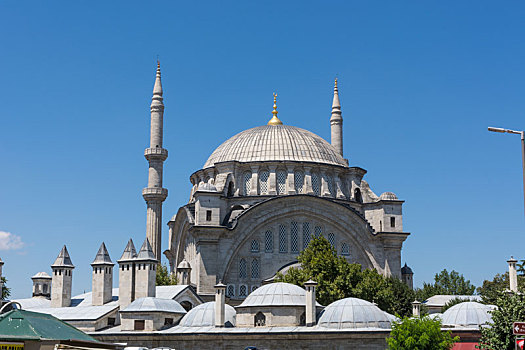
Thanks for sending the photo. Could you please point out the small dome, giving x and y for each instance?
(203, 315)
(354, 313)
(150, 304)
(206, 187)
(468, 314)
(406, 270)
(388, 196)
(276, 143)
(276, 294)
(41, 275)
(184, 265)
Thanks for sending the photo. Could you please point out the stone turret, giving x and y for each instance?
(145, 272)
(407, 276)
(62, 279)
(513, 275)
(184, 272)
(42, 285)
(336, 122)
(126, 278)
(154, 194)
(102, 284)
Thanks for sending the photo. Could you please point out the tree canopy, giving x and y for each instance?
(446, 283)
(490, 291)
(6, 292)
(164, 278)
(337, 279)
(419, 333)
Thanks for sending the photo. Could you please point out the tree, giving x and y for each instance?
(164, 278)
(490, 291)
(446, 283)
(419, 333)
(511, 308)
(338, 279)
(6, 292)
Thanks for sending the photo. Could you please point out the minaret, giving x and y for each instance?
(102, 284)
(1, 284)
(145, 272)
(336, 122)
(126, 277)
(154, 194)
(62, 279)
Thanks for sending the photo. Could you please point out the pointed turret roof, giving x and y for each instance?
(63, 259)
(157, 89)
(146, 252)
(102, 257)
(129, 252)
(336, 105)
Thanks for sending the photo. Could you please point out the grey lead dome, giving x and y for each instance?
(354, 313)
(276, 143)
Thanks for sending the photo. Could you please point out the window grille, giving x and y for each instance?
(331, 239)
(345, 249)
(242, 268)
(230, 291)
(317, 231)
(243, 290)
(282, 239)
(306, 234)
(299, 181)
(253, 289)
(263, 181)
(294, 237)
(316, 186)
(281, 181)
(247, 183)
(330, 182)
(255, 246)
(255, 268)
(268, 241)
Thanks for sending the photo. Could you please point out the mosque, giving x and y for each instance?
(258, 200)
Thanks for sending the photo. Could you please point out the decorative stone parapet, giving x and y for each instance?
(156, 153)
(154, 193)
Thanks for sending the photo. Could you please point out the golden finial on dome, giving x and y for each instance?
(275, 120)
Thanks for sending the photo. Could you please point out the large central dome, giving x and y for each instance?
(276, 143)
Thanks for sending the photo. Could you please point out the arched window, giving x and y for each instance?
(230, 291)
(306, 234)
(318, 231)
(243, 291)
(268, 241)
(242, 268)
(316, 184)
(263, 181)
(294, 237)
(246, 183)
(255, 268)
(283, 247)
(259, 320)
(302, 319)
(255, 246)
(345, 249)
(231, 189)
(357, 196)
(331, 239)
(281, 181)
(299, 181)
(253, 289)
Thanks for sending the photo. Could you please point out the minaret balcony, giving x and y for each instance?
(154, 193)
(156, 153)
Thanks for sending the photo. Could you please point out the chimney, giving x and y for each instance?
(416, 308)
(310, 303)
(513, 275)
(220, 306)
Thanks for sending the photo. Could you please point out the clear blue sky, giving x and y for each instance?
(419, 83)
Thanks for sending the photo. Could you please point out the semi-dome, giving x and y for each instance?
(203, 315)
(388, 196)
(468, 314)
(276, 143)
(354, 313)
(276, 294)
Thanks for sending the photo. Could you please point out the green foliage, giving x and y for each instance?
(164, 278)
(453, 302)
(511, 308)
(446, 283)
(6, 292)
(339, 279)
(419, 333)
(490, 291)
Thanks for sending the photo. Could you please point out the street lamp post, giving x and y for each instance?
(522, 133)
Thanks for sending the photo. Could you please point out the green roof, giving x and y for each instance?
(28, 325)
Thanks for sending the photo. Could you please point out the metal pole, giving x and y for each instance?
(523, 164)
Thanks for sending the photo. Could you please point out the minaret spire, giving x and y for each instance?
(336, 122)
(275, 120)
(154, 194)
